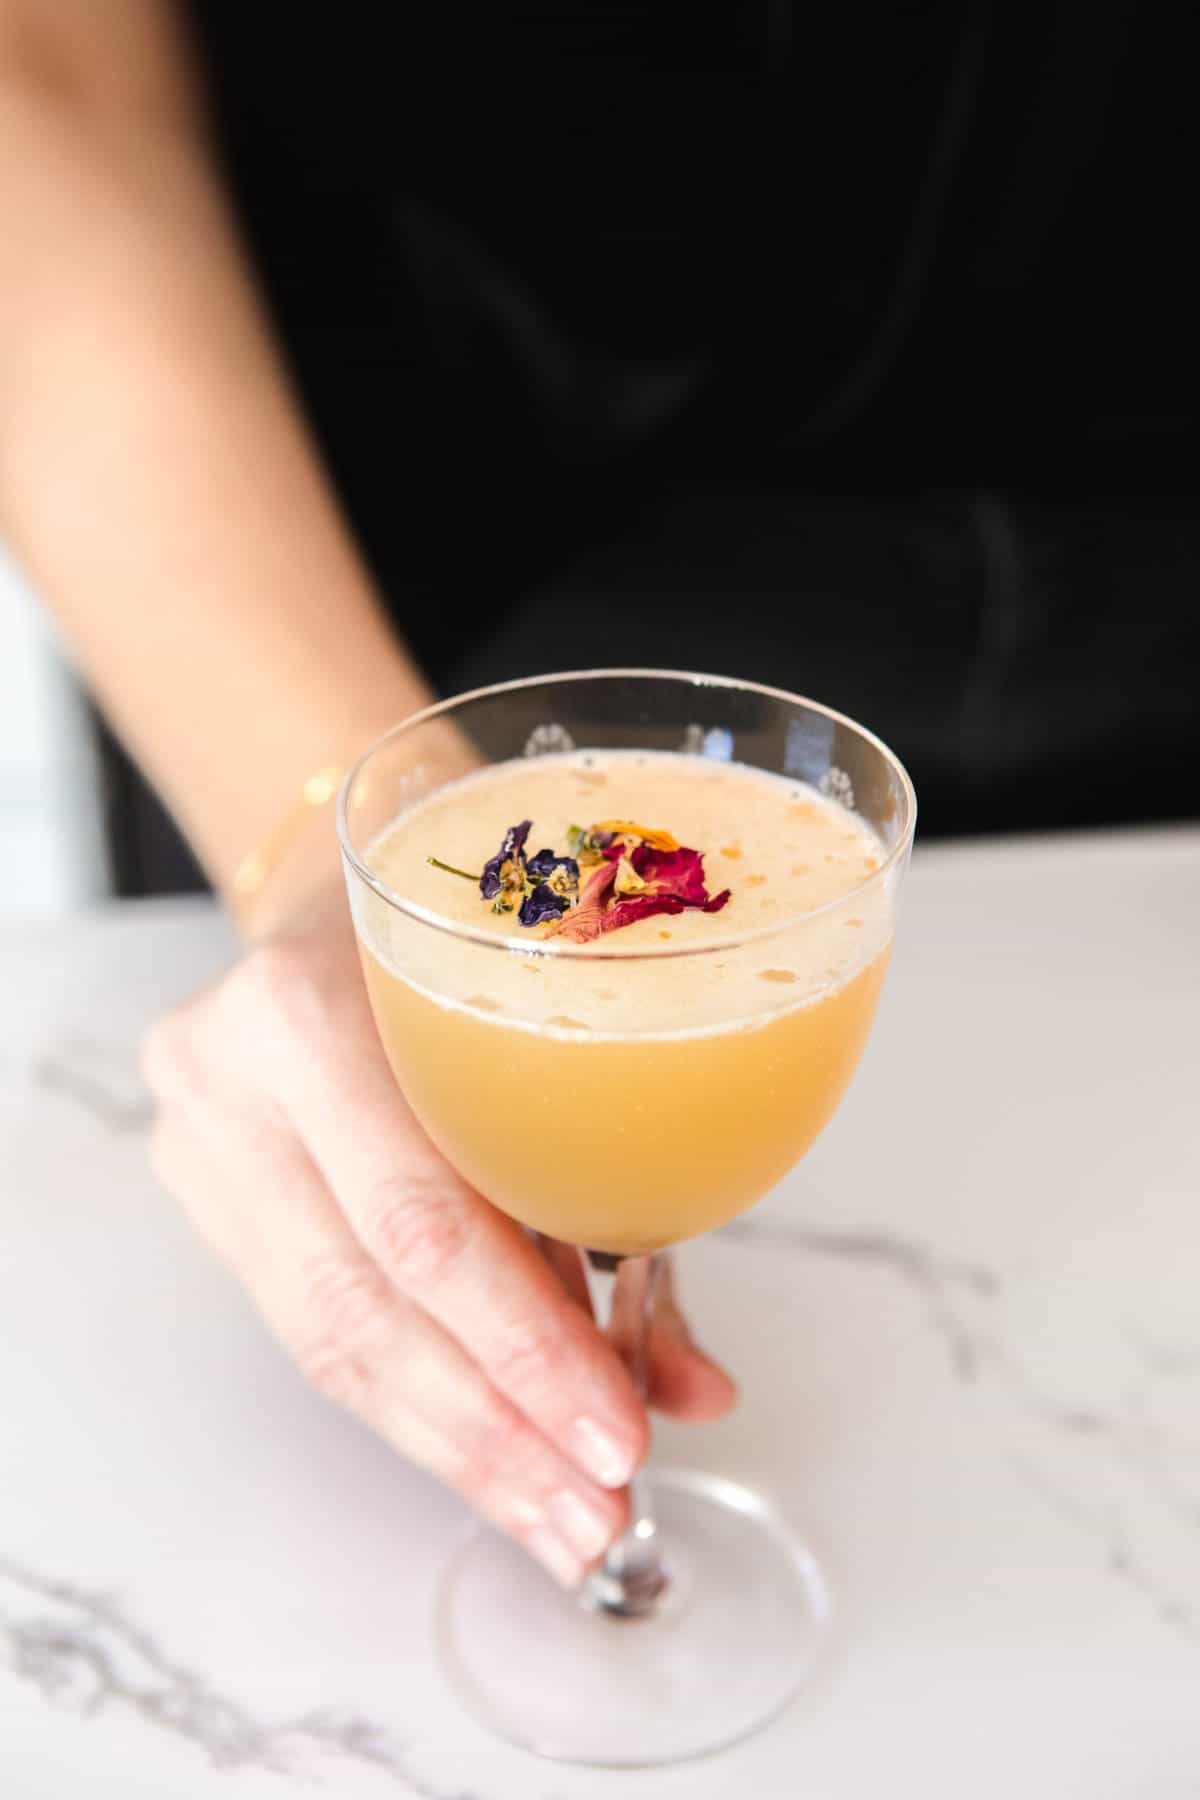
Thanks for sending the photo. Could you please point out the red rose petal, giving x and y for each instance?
(674, 884)
(678, 872)
(646, 906)
(674, 879)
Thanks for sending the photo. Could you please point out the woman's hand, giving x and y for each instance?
(400, 1292)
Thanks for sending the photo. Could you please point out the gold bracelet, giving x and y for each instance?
(256, 868)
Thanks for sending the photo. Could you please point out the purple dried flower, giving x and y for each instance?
(503, 877)
(560, 872)
(542, 904)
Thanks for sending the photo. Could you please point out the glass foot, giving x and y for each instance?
(730, 1642)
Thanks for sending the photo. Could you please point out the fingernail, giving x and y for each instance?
(600, 1454)
(584, 1529)
(524, 1514)
(554, 1555)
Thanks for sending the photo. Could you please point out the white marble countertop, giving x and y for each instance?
(968, 1329)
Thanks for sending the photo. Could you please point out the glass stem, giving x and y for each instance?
(632, 1578)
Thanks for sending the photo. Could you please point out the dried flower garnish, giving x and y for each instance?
(657, 840)
(628, 880)
(561, 873)
(587, 845)
(634, 873)
(449, 869)
(542, 905)
(585, 921)
(672, 882)
(503, 880)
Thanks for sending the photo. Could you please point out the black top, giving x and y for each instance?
(850, 346)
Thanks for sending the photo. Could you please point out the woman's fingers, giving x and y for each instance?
(376, 1353)
(384, 1359)
(568, 1264)
(683, 1380)
(475, 1273)
(401, 1293)
(686, 1383)
(440, 1244)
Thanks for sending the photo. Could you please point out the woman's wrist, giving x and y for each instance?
(305, 884)
(252, 877)
(293, 868)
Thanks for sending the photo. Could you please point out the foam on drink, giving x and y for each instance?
(641, 1088)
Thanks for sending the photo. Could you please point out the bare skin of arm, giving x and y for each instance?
(158, 484)
(156, 478)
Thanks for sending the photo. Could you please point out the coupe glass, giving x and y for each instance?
(705, 1619)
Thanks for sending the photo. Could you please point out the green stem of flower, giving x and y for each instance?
(451, 870)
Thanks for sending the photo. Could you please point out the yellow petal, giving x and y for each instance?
(628, 880)
(657, 840)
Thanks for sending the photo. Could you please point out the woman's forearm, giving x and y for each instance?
(157, 481)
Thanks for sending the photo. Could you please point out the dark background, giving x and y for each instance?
(847, 347)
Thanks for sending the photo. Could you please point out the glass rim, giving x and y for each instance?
(549, 947)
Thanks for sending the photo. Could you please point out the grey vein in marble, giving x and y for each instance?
(1120, 1558)
(100, 1079)
(81, 1652)
(939, 1281)
(1166, 1359)
(951, 1292)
